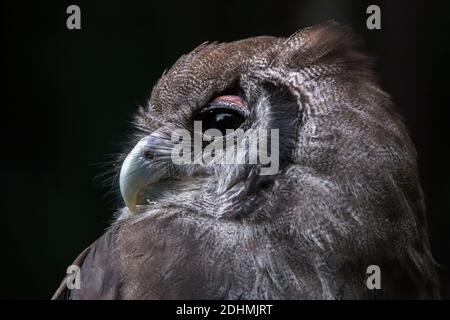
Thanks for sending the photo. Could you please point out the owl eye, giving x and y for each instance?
(226, 112)
(221, 119)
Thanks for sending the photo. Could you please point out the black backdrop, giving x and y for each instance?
(67, 98)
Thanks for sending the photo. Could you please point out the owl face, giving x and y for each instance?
(219, 145)
(345, 193)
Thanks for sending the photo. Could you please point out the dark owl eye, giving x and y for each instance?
(221, 119)
(223, 113)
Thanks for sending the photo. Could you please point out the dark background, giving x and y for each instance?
(68, 97)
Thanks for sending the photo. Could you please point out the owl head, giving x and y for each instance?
(337, 190)
(244, 97)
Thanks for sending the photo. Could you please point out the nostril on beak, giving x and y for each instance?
(148, 147)
(149, 154)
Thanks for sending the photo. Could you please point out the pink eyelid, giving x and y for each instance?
(231, 99)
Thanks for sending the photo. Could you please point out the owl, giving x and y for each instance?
(343, 196)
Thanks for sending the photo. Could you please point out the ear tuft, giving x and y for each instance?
(328, 41)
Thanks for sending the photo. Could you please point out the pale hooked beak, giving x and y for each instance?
(138, 171)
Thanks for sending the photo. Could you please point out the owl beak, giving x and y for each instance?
(137, 172)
